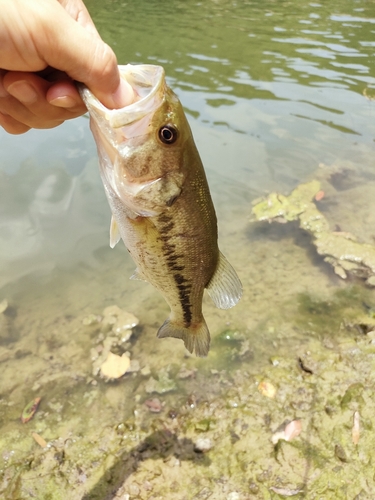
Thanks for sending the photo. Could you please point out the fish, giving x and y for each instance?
(160, 201)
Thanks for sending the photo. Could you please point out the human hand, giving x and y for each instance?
(45, 46)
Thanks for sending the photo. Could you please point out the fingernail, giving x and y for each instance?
(23, 91)
(65, 101)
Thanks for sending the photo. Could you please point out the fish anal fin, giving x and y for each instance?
(224, 288)
(114, 233)
(196, 338)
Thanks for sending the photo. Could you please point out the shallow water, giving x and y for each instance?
(277, 93)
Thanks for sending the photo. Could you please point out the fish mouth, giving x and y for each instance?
(118, 131)
(147, 81)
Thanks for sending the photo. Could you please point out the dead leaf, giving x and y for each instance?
(287, 431)
(286, 492)
(355, 429)
(41, 441)
(267, 389)
(30, 410)
(319, 195)
(115, 366)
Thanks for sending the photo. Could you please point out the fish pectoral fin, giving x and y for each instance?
(196, 338)
(138, 275)
(224, 288)
(114, 233)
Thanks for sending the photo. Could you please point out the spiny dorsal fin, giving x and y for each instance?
(114, 233)
(195, 338)
(225, 287)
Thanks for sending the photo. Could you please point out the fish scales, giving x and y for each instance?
(161, 205)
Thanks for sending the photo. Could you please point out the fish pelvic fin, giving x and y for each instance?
(114, 233)
(224, 288)
(196, 338)
(138, 275)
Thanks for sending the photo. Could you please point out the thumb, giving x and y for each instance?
(84, 56)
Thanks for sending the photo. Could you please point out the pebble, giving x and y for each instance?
(203, 445)
(154, 405)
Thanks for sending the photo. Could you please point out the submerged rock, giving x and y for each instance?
(340, 249)
(116, 327)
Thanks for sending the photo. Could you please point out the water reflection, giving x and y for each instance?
(271, 91)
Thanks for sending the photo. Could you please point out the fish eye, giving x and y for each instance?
(168, 134)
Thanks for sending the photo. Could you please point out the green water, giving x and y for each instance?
(277, 93)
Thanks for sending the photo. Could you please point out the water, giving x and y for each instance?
(277, 93)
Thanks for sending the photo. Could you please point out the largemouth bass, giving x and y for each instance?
(160, 202)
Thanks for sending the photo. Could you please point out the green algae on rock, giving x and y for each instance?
(340, 249)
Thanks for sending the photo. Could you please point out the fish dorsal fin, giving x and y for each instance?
(138, 275)
(224, 288)
(114, 233)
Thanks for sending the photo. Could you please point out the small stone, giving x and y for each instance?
(154, 405)
(38, 439)
(121, 321)
(202, 445)
(253, 487)
(371, 281)
(340, 453)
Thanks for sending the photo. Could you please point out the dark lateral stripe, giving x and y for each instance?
(184, 296)
(175, 263)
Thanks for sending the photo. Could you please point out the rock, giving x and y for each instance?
(340, 249)
(202, 445)
(121, 322)
(154, 405)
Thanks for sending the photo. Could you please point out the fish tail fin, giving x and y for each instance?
(196, 338)
(224, 288)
